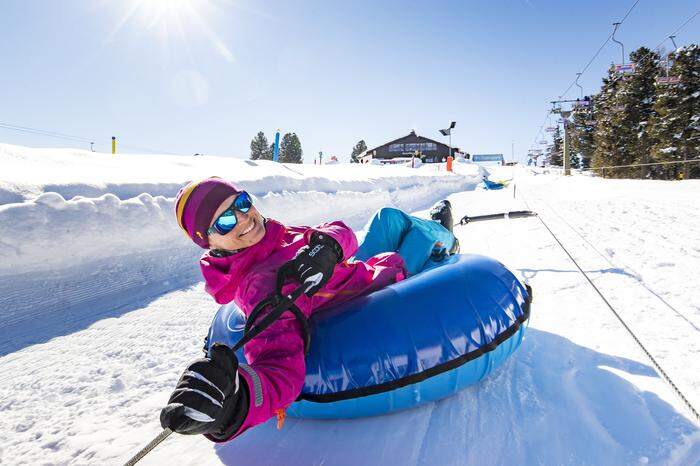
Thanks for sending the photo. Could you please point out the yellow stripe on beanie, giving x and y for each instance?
(186, 192)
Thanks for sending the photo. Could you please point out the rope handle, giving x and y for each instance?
(283, 305)
(478, 218)
(270, 318)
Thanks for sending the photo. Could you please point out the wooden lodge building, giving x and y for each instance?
(428, 150)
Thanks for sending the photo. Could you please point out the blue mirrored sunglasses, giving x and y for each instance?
(227, 220)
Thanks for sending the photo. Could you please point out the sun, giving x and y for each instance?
(171, 20)
(157, 12)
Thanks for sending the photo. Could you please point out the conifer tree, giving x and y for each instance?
(638, 96)
(676, 125)
(581, 132)
(644, 117)
(555, 151)
(259, 149)
(358, 149)
(574, 158)
(624, 110)
(290, 149)
(608, 112)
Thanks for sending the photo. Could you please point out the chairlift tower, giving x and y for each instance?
(565, 114)
(567, 161)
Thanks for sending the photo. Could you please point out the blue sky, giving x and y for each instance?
(187, 76)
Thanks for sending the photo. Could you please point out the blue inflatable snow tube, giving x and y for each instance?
(412, 342)
(493, 184)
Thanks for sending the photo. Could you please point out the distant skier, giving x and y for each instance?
(250, 258)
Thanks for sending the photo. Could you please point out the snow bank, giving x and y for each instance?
(49, 232)
(26, 173)
(61, 249)
(468, 168)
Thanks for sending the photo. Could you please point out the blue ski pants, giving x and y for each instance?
(392, 230)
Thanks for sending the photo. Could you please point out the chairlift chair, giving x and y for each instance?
(625, 68)
(668, 80)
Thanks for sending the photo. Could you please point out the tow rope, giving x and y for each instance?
(651, 358)
(284, 304)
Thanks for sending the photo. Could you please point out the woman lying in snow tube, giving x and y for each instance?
(251, 259)
(412, 342)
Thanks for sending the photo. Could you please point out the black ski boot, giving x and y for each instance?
(442, 213)
(455, 247)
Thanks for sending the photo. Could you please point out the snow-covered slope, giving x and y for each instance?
(578, 391)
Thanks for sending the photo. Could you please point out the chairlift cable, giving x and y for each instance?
(600, 49)
(69, 137)
(687, 21)
(27, 129)
(585, 68)
(671, 36)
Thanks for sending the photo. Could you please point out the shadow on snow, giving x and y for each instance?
(554, 402)
(39, 306)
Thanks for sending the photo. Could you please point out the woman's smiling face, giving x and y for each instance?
(249, 230)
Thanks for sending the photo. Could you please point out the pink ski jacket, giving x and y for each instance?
(275, 370)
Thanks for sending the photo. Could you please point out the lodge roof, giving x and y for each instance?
(411, 135)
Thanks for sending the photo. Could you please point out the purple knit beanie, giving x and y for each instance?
(196, 203)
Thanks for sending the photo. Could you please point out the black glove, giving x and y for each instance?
(313, 264)
(208, 398)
